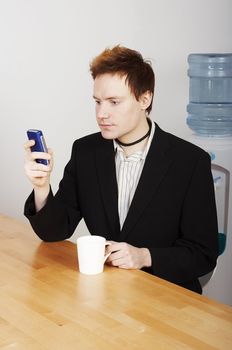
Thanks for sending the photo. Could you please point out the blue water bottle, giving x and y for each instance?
(210, 94)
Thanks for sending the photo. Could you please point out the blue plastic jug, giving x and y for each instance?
(210, 94)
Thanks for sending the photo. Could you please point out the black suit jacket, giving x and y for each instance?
(173, 211)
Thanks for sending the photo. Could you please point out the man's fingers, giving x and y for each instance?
(27, 145)
(116, 255)
(115, 246)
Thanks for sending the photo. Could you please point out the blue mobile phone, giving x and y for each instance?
(40, 144)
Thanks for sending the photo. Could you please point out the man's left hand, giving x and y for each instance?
(126, 256)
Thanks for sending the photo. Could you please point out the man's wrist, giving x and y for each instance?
(147, 261)
(40, 196)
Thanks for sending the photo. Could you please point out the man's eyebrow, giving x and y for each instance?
(109, 98)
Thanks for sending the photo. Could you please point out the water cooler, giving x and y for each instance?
(210, 119)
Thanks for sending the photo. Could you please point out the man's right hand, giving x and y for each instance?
(37, 173)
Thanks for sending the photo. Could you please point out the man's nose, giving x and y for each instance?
(102, 112)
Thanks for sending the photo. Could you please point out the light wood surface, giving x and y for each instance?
(45, 303)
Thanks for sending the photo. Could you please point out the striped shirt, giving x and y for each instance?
(128, 172)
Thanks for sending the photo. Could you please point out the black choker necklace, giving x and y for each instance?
(137, 141)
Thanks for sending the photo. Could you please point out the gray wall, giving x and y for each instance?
(45, 50)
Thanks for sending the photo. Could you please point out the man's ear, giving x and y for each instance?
(145, 100)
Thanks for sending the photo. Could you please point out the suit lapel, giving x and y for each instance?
(105, 163)
(155, 167)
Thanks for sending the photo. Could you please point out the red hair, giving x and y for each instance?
(123, 61)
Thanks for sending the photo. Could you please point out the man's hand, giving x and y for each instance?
(38, 174)
(126, 256)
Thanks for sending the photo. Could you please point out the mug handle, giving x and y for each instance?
(106, 256)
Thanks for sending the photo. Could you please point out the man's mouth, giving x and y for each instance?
(105, 125)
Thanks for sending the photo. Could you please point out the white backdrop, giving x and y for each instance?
(45, 50)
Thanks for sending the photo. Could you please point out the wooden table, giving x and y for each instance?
(45, 303)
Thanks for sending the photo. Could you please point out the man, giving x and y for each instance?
(148, 192)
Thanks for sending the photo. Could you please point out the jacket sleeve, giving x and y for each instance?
(195, 251)
(58, 219)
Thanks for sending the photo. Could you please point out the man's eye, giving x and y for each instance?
(97, 102)
(114, 102)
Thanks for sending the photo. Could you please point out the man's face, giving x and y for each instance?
(118, 113)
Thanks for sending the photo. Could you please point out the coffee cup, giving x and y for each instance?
(91, 254)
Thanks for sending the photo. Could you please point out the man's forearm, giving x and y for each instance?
(41, 195)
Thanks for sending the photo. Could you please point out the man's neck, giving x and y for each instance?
(139, 144)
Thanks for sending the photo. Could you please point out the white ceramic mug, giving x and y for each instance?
(91, 254)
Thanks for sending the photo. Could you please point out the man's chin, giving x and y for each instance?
(108, 135)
